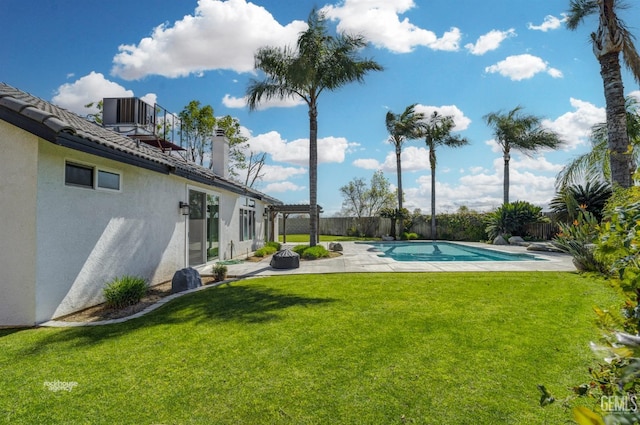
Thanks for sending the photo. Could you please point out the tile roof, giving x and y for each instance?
(60, 121)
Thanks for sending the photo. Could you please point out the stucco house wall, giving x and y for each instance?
(62, 243)
(18, 181)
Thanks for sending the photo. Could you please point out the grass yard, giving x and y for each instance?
(427, 348)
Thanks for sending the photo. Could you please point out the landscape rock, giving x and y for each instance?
(543, 246)
(499, 240)
(185, 279)
(285, 259)
(335, 246)
(387, 238)
(517, 240)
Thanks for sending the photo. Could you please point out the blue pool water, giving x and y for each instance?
(442, 251)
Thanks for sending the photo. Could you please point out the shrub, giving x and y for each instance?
(274, 244)
(311, 253)
(219, 272)
(578, 238)
(512, 219)
(124, 291)
(264, 251)
(462, 226)
(407, 236)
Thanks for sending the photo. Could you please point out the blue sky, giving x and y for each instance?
(464, 58)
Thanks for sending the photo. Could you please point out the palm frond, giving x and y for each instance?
(579, 10)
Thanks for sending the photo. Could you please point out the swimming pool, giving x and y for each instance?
(443, 251)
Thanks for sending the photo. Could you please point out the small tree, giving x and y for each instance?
(362, 201)
(198, 124)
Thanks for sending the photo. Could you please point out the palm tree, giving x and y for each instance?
(437, 132)
(595, 164)
(402, 127)
(522, 132)
(611, 39)
(320, 62)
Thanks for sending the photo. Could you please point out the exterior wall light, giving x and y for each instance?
(184, 208)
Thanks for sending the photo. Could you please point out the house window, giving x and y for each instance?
(247, 224)
(78, 175)
(82, 175)
(108, 180)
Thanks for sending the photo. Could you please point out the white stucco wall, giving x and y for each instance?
(87, 237)
(62, 244)
(18, 171)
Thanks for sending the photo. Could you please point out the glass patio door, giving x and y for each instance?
(203, 227)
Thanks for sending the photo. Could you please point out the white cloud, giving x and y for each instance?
(281, 187)
(575, 127)
(635, 94)
(91, 88)
(412, 159)
(219, 35)
(276, 173)
(379, 21)
(330, 149)
(522, 67)
(241, 102)
(489, 41)
(461, 121)
(367, 164)
(550, 23)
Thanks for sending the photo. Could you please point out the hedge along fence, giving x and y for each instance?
(454, 227)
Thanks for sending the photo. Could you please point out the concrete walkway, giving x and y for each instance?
(361, 258)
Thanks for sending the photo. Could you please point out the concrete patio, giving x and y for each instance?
(359, 258)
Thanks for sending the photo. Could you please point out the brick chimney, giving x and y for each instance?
(220, 155)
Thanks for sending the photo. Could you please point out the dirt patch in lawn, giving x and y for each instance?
(102, 312)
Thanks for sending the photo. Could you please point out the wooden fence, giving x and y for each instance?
(377, 226)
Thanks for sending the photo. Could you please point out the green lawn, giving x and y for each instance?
(429, 348)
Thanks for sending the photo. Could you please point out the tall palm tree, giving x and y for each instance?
(320, 62)
(403, 127)
(437, 132)
(611, 39)
(522, 132)
(595, 165)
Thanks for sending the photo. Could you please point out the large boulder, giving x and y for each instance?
(185, 279)
(285, 259)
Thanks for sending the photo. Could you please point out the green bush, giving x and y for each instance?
(407, 236)
(578, 238)
(311, 253)
(124, 291)
(264, 251)
(512, 219)
(461, 226)
(274, 244)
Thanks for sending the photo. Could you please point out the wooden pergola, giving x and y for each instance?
(286, 210)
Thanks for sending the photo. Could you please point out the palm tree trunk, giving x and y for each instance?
(313, 174)
(432, 161)
(505, 183)
(399, 171)
(620, 157)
